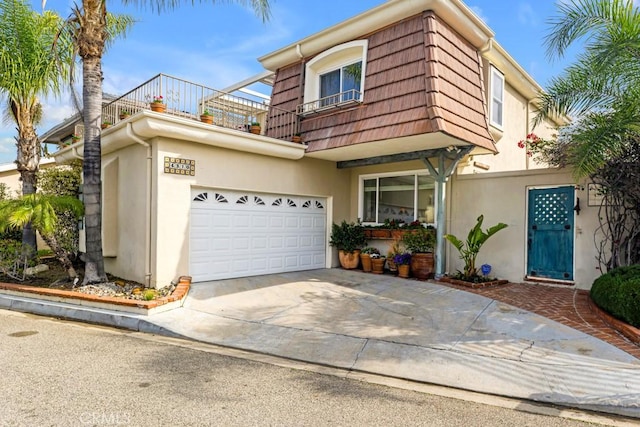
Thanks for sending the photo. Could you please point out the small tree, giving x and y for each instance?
(469, 250)
(40, 211)
(63, 181)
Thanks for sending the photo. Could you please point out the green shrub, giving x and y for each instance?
(63, 181)
(348, 236)
(618, 293)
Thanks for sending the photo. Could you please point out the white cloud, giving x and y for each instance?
(478, 11)
(7, 148)
(526, 15)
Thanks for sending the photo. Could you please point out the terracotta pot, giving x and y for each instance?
(367, 233)
(403, 270)
(349, 260)
(255, 129)
(124, 116)
(158, 107)
(377, 265)
(296, 139)
(365, 259)
(422, 265)
(206, 118)
(104, 125)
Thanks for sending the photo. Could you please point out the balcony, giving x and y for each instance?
(190, 100)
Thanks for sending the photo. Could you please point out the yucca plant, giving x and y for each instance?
(469, 250)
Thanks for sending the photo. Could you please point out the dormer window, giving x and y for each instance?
(342, 84)
(335, 78)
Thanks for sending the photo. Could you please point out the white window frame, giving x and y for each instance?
(415, 173)
(333, 59)
(493, 120)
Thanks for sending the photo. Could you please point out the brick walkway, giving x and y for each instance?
(564, 305)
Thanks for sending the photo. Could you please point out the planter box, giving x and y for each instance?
(473, 285)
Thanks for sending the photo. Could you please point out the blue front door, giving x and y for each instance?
(550, 233)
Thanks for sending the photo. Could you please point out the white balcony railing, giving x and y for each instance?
(189, 100)
(328, 102)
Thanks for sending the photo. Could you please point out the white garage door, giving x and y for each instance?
(238, 234)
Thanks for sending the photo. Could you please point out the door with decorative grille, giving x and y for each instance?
(550, 242)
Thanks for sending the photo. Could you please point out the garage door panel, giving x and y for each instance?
(276, 221)
(221, 219)
(260, 220)
(276, 242)
(263, 234)
(240, 243)
(292, 223)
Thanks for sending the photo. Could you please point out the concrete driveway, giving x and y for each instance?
(415, 330)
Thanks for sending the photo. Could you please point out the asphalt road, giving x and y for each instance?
(58, 373)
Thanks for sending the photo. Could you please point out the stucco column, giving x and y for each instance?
(441, 174)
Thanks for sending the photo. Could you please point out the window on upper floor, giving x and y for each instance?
(406, 197)
(340, 85)
(335, 77)
(496, 114)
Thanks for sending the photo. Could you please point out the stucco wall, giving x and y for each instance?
(502, 197)
(128, 259)
(12, 179)
(9, 175)
(229, 169)
(517, 123)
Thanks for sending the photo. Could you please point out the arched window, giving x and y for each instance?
(335, 77)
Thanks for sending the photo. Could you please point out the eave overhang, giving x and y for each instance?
(396, 146)
(454, 12)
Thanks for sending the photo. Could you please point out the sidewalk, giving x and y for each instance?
(414, 330)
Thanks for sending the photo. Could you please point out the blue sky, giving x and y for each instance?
(217, 45)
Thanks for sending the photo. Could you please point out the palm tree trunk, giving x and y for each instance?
(28, 158)
(61, 255)
(92, 169)
(91, 42)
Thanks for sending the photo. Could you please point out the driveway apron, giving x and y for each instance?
(415, 330)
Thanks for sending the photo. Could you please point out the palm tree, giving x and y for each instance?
(92, 33)
(40, 211)
(601, 90)
(30, 67)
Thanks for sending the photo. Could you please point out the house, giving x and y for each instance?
(10, 177)
(410, 110)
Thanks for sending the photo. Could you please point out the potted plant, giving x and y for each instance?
(124, 114)
(206, 117)
(75, 138)
(395, 249)
(255, 128)
(420, 244)
(158, 104)
(403, 261)
(348, 238)
(105, 124)
(365, 257)
(297, 138)
(469, 250)
(377, 263)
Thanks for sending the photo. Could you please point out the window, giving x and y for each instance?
(341, 85)
(407, 197)
(497, 98)
(335, 76)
